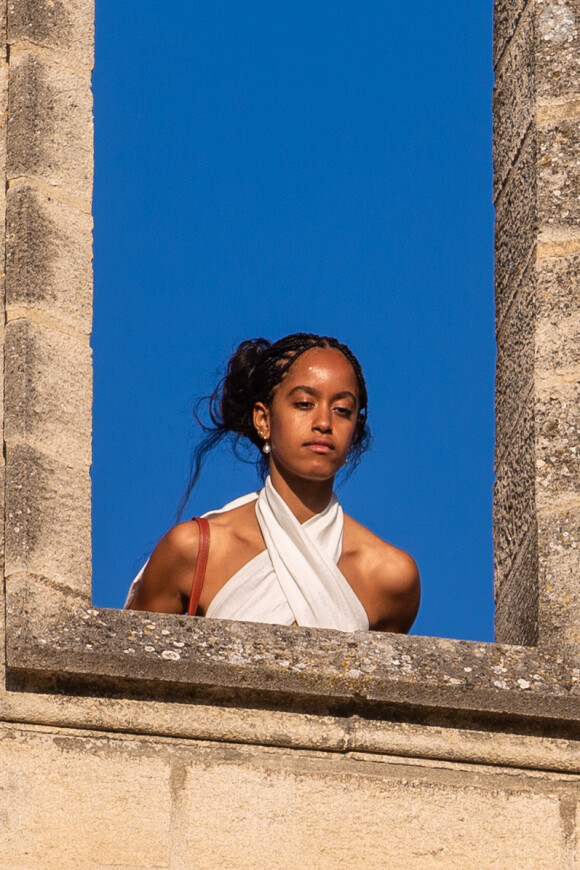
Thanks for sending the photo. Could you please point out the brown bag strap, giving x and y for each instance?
(200, 565)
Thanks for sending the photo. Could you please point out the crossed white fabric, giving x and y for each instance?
(296, 579)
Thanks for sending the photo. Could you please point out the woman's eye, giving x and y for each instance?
(304, 405)
(344, 412)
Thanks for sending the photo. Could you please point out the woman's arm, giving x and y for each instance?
(166, 583)
(400, 593)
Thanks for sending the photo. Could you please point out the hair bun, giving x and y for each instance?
(238, 394)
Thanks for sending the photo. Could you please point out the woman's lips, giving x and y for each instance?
(319, 446)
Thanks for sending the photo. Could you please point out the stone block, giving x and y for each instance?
(557, 448)
(516, 223)
(558, 287)
(69, 801)
(559, 176)
(48, 392)
(67, 26)
(37, 602)
(514, 508)
(294, 811)
(559, 570)
(557, 49)
(4, 75)
(515, 357)
(49, 257)
(48, 518)
(50, 131)
(517, 597)
(506, 16)
(558, 345)
(513, 101)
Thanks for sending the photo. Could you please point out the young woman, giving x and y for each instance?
(288, 554)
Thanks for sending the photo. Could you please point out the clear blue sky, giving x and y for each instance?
(265, 168)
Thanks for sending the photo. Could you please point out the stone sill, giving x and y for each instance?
(111, 653)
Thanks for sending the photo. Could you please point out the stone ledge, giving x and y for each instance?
(123, 654)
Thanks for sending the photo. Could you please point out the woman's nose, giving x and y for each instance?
(323, 420)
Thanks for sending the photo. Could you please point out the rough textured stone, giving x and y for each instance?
(517, 596)
(377, 676)
(537, 124)
(63, 25)
(50, 124)
(48, 392)
(557, 443)
(48, 522)
(516, 222)
(514, 491)
(48, 258)
(557, 51)
(559, 175)
(559, 570)
(506, 15)
(558, 346)
(558, 287)
(515, 359)
(513, 103)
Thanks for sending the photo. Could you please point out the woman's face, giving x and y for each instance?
(313, 416)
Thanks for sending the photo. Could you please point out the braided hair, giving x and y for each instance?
(253, 372)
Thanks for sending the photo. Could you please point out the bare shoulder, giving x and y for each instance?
(181, 542)
(235, 519)
(388, 573)
(164, 586)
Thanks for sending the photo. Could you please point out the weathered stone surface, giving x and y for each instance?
(515, 358)
(294, 730)
(513, 103)
(263, 808)
(537, 472)
(514, 510)
(373, 815)
(3, 21)
(48, 520)
(559, 570)
(516, 223)
(557, 456)
(506, 15)
(537, 103)
(50, 134)
(558, 346)
(63, 25)
(557, 53)
(48, 258)
(558, 287)
(559, 175)
(517, 596)
(375, 675)
(119, 792)
(48, 392)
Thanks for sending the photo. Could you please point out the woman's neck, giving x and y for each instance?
(305, 498)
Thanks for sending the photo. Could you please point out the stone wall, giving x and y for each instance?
(131, 740)
(537, 196)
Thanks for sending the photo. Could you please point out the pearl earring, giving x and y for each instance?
(266, 448)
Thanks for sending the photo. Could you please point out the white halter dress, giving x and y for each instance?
(296, 578)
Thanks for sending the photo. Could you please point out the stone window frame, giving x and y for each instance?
(56, 642)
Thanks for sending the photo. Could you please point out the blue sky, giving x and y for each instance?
(265, 168)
